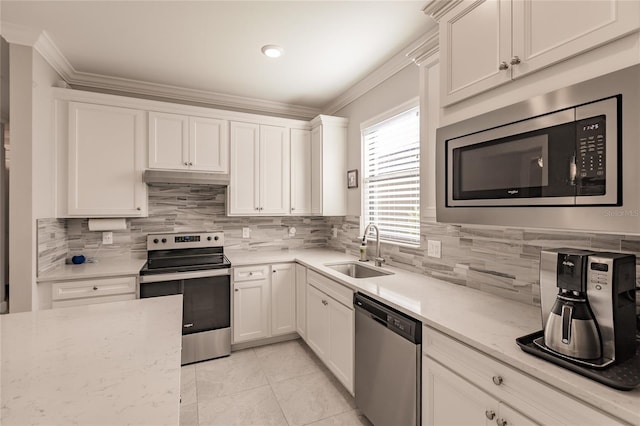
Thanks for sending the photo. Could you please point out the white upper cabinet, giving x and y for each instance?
(300, 172)
(181, 142)
(259, 181)
(106, 159)
(329, 166)
(485, 43)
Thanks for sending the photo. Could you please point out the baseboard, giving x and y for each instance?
(262, 342)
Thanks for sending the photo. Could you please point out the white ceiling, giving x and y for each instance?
(214, 46)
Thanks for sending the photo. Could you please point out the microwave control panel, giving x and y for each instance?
(591, 154)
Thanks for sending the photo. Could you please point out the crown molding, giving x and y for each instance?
(424, 52)
(388, 69)
(437, 8)
(18, 34)
(43, 44)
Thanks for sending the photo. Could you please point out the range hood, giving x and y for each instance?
(185, 177)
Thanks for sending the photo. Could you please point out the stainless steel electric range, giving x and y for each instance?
(193, 264)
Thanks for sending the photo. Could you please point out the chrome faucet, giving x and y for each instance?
(378, 260)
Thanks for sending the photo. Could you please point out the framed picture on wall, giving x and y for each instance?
(352, 178)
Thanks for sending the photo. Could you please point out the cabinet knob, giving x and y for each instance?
(186, 164)
(190, 163)
(274, 271)
(236, 289)
(324, 302)
(515, 60)
(95, 288)
(497, 380)
(250, 273)
(501, 422)
(293, 208)
(503, 66)
(490, 414)
(138, 208)
(257, 208)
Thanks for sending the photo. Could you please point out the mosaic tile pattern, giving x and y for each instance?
(52, 244)
(183, 208)
(501, 261)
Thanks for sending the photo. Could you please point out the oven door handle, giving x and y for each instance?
(173, 276)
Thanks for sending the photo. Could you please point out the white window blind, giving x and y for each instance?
(392, 177)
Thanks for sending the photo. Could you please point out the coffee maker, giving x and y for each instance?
(588, 306)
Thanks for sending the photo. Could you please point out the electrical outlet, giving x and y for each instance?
(292, 231)
(246, 232)
(107, 238)
(434, 248)
(334, 232)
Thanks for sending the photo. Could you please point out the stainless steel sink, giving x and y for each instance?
(357, 270)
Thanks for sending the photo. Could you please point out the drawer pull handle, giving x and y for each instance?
(501, 422)
(490, 414)
(497, 380)
(188, 325)
(95, 288)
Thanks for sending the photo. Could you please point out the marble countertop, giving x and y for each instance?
(103, 364)
(102, 268)
(486, 322)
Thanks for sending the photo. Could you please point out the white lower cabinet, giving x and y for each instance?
(264, 301)
(451, 400)
(283, 298)
(330, 325)
(251, 300)
(462, 386)
(301, 300)
(88, 292)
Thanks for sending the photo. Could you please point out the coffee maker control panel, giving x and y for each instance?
(599, 275)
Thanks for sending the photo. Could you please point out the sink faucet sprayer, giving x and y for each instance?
(363, 248)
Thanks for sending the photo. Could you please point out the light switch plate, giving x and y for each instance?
(292, 231)
(107, 238)
(246, 232)
(334, 232)
(434, 248)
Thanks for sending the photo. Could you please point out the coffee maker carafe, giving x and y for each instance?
(571, 328)
(588, 306)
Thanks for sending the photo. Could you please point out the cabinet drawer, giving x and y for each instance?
(250, 273)
(337, 291)
(507, 384)
(68, 290)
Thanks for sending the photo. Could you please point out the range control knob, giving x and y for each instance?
(216, 238)
(164, 240)
(209, 238)
(155, 241)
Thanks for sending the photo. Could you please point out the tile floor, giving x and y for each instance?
(280, 384)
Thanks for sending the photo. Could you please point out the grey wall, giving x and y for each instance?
(394, 91)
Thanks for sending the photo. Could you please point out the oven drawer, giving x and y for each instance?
(70, 293)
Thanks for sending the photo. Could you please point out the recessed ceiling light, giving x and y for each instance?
(272, 50)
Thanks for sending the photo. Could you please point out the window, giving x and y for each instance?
(391, 178)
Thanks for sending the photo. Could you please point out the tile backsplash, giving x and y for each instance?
(178, 208)
(497, 260)
(501, 261)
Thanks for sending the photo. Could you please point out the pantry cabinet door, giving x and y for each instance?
(274, 170)
(208, 145)
(244, 186)
(475, 37)
(106, 160)
(168, 141)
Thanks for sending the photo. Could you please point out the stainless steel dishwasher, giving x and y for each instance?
(388, 364)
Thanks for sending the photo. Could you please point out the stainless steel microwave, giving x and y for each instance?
(565, 157)
(564, 160)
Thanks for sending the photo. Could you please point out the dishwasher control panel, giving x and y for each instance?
(394, 320)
